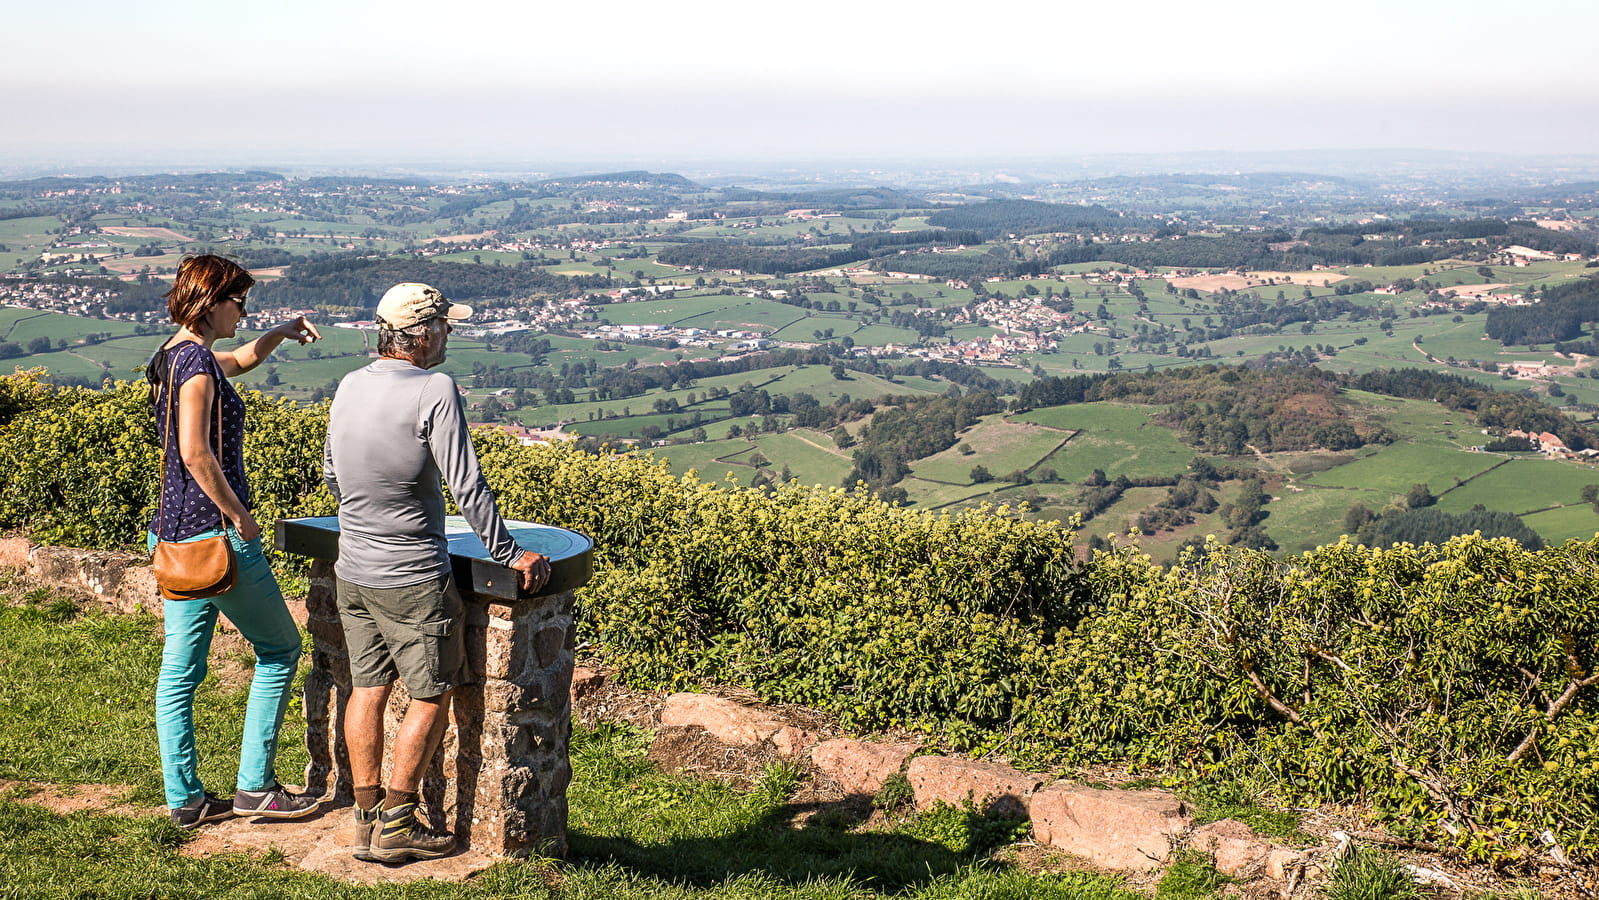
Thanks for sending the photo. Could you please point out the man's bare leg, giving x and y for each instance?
(420, 735)
(398, 836)
(363, 733)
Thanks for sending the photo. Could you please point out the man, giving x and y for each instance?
(394, 429)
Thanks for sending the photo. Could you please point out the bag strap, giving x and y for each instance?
(161, 504)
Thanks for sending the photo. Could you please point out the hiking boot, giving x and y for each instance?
(209, 808)
(399, 836)
(366, 821)
(276, 802)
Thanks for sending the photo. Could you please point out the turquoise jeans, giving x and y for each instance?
(254, 606)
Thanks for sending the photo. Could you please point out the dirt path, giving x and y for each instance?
(805, 440)
(320, 843)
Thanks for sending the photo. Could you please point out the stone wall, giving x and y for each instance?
(122, 581)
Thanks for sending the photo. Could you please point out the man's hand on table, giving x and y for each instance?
(532, 569)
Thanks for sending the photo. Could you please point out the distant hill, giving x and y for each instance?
(1211, 181)
(358, 282)
(1024, 217)
(638, 178)
(836, 198)
(193, 181)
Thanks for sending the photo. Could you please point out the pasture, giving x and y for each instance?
(999, 445)
(1393, 469)
(1118, 439)
(810, 456)
(1557, 526)
(1523, 486)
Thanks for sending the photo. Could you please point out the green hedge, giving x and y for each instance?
(1452, 688)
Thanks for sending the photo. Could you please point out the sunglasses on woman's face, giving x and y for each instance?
(241, 300)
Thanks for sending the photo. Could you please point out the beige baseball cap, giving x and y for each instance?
(413, 303)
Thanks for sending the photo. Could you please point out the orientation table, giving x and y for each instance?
(499, 782)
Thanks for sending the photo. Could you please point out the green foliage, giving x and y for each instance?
(82, 465)
(1428, 523)
(1222, 409)
(964, 829)
(894, 794)
(1190, 876)
(1367, 874)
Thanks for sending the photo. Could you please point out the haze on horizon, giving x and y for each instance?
(485, 82)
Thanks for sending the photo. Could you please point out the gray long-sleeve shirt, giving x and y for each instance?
(394, 429)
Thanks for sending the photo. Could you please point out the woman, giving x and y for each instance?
(201, 489)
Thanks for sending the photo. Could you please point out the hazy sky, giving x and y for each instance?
(472, 81)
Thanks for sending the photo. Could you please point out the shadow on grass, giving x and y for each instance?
(823, 848)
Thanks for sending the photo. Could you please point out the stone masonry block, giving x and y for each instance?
(1237, 849)
(1125, 830)
(861, 767)
(996, 789)
(14, 553)
(728, 722)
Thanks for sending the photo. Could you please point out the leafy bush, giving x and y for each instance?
(82, 465)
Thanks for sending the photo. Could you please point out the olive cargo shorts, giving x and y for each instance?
(415, 633)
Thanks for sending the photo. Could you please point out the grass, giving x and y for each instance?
(1118, 439)
(1525, 485)
(75, 707)
(1367, 874)
(997, 444)
(1392, 470)
(1191, 876)
(76, 694)
(1214, 801)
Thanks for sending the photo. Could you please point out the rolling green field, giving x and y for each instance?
(1118, 326)
(1577, 522)
(999, 445)
(1118, 439)
(1393, 469)
(1524, 486)
(23, 325)
(810, 457)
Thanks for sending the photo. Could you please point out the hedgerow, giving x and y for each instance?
(1450, 687)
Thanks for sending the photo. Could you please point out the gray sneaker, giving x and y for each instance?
(366, 821)
(209, 808)
(276, 802)
(400, 836)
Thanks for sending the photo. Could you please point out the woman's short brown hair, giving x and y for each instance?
(202, 282)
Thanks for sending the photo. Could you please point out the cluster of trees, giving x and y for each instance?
(969, 267)
(1416, 521)
(1191, 495)
(1226, 409)
(913, 429)
(1402, 243)
(785, 255)
(1559, 317)
(1019, 217)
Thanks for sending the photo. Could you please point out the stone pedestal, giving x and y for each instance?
(499, 782)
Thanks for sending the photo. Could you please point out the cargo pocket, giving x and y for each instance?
(435, 650)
